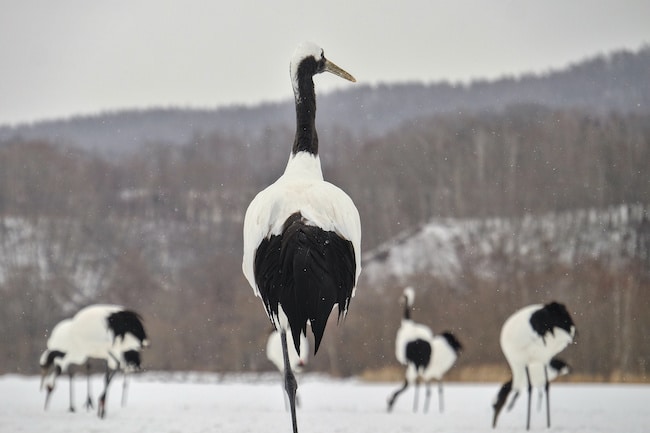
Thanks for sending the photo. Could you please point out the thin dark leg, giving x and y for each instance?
(125, 386)
(101, 405)
(391, 400)
(290, 383)
(530, 389)
(427, 396)
(89, 400)
(548, 399)
(71, 392)
(415, 396)
(441, 403)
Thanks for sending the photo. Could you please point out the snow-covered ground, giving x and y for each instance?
(212, 403)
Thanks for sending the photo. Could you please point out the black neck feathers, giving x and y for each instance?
(552, 315)
(51, 357)
(558, 364)
(123, 322)
(407, 308)
(501, 401)
(452, 341)
(306, 139)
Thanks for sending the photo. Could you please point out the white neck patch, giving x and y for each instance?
(302, 51)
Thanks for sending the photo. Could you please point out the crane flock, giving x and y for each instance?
(302, 257)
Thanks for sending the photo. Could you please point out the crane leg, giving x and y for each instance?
(415, 395)
(548, 398)
(427, 397)
(71, 392)
(441, 403)
(89, 400)
(101, 405)
(290, 383)
(125, 386)
(393, 398)
(530, 390)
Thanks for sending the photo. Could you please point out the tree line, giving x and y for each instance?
(160, 231)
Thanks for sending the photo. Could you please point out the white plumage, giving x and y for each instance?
(530, 338)
(106, 332)
(302, 235)
(426, 356)
(57, 343)
(274, 352)
(300, 189)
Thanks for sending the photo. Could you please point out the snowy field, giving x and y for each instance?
(178, 403)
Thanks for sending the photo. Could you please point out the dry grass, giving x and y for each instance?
(497, 373)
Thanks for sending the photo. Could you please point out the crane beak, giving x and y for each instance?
(331, 67)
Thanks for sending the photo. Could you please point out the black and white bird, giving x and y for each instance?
(106, 332)
(426, 356)
(297, 361)
(530, 338)
(302, 235)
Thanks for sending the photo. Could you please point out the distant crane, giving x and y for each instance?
(107, 332)
(426, 356)
(530, 338)
(57, 344)
(302, 235)
(274, 352)
(296, 361)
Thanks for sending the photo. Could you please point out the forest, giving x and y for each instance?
(158, 229)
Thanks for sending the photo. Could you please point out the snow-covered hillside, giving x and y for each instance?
(446, 248)
(443, 248)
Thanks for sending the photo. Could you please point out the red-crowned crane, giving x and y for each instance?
(530, 338)
(107, 332)
(302, 235)
(425, 355)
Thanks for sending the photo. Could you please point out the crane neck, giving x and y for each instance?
(407, 311)
(306, 139)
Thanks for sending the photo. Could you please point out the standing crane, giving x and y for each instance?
(425, 355)
(302, 235)
(107, 332)
(531, 337)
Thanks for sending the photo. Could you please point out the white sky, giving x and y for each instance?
(66, 57)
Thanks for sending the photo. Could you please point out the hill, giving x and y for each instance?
(615, 82)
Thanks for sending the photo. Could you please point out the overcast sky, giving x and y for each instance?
(66, 57)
